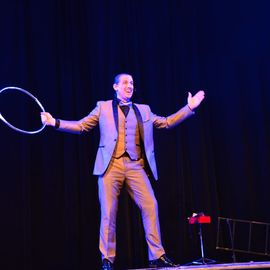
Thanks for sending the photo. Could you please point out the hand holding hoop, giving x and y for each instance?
(13, 88)
(47, 119)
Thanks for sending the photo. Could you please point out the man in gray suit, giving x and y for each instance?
(126, 155)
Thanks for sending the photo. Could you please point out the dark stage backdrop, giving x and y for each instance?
(67, 53)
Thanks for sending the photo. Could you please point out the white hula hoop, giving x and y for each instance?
(33, 97)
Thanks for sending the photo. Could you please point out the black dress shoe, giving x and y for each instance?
(106, 265)
(163, 261)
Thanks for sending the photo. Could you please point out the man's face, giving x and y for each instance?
(124, 88)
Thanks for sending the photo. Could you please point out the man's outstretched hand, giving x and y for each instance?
(47, 119)
(195, 101)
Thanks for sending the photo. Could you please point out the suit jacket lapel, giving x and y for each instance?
(115, 113)
(139, 119)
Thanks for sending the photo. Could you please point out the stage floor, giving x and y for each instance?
(246, 265)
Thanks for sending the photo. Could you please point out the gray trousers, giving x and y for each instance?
(139, 188)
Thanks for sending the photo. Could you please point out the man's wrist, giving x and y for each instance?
(57, 123)
(190, 107)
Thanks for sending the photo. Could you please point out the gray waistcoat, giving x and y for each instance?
(128, 136)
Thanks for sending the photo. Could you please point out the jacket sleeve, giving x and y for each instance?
(85, 124)
(173, 119)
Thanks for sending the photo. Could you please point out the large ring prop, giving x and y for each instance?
(34, 98)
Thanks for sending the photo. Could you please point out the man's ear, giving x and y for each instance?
(115, 86)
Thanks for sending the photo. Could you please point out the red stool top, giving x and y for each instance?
(199, 219)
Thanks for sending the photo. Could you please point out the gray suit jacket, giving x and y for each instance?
(106, 115)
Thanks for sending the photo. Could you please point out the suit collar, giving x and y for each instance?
(115, 112)
(139, 119)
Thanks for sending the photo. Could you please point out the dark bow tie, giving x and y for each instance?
(124, 106)
(124, 103)
(125, 109)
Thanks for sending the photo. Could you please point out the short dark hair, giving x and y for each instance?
(117, 77)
